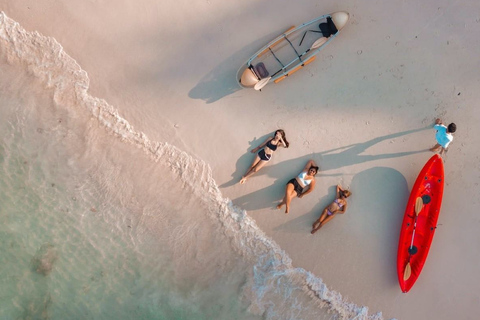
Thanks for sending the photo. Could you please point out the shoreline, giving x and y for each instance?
(376, 116)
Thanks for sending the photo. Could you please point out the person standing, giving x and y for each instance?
(443, 136)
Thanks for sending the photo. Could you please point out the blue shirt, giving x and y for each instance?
(443, 138)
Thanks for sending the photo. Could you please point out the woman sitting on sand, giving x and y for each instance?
(295, 186)
(339, 205)
(266, 151)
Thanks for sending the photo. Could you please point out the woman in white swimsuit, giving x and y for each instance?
(265, 152)
(339, 205)
(296, 186)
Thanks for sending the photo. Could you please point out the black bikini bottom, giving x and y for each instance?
(263, 156)
(296, 186)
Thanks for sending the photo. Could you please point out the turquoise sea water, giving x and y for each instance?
(99, 222)
(71, 245)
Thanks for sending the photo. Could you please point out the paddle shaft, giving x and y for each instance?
(413, 235)
(418, 208)
(408, 270)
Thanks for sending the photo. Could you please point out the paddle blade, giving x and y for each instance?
(418, 205)
(262, 83)
(408, 272)
(318, 43)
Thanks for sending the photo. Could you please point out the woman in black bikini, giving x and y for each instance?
(265, 151)
(339, 205)
(296, 186)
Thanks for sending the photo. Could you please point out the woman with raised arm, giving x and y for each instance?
(339, 205)
(265, 152)
(299, 186)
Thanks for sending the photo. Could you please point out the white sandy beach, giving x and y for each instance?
(364, 111)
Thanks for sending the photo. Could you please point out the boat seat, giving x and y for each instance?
(328, 28)
(261, 70)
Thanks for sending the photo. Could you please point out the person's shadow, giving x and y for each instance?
(351, 154)
(327, 160)
(376, 208)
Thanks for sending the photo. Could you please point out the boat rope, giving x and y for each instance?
(283, 67)
(306, 34)
(299, 56)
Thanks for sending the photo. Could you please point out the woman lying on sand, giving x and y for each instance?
(265, 154)
(295, 186)
(339, 205)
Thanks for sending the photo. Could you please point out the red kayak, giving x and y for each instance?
(419, 222)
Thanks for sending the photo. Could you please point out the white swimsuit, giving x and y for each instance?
(301, 177)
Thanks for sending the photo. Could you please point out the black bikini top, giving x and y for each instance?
(272, 146)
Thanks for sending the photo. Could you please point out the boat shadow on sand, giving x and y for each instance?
(220, 82)
(328, 160)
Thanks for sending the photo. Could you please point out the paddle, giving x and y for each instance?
(262, 83)
(408, 272)
(318, 43)
(408, 268)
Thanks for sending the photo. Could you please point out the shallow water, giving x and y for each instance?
(82, 242)
(99, 222)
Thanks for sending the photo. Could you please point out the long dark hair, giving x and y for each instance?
(316, 169)
(284, 137)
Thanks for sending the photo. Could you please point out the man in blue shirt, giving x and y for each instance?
(444, 136)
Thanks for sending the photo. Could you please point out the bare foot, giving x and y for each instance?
(243, 180)
(279, 205)
(435, 149)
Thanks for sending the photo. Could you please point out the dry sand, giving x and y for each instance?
(363, 111)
